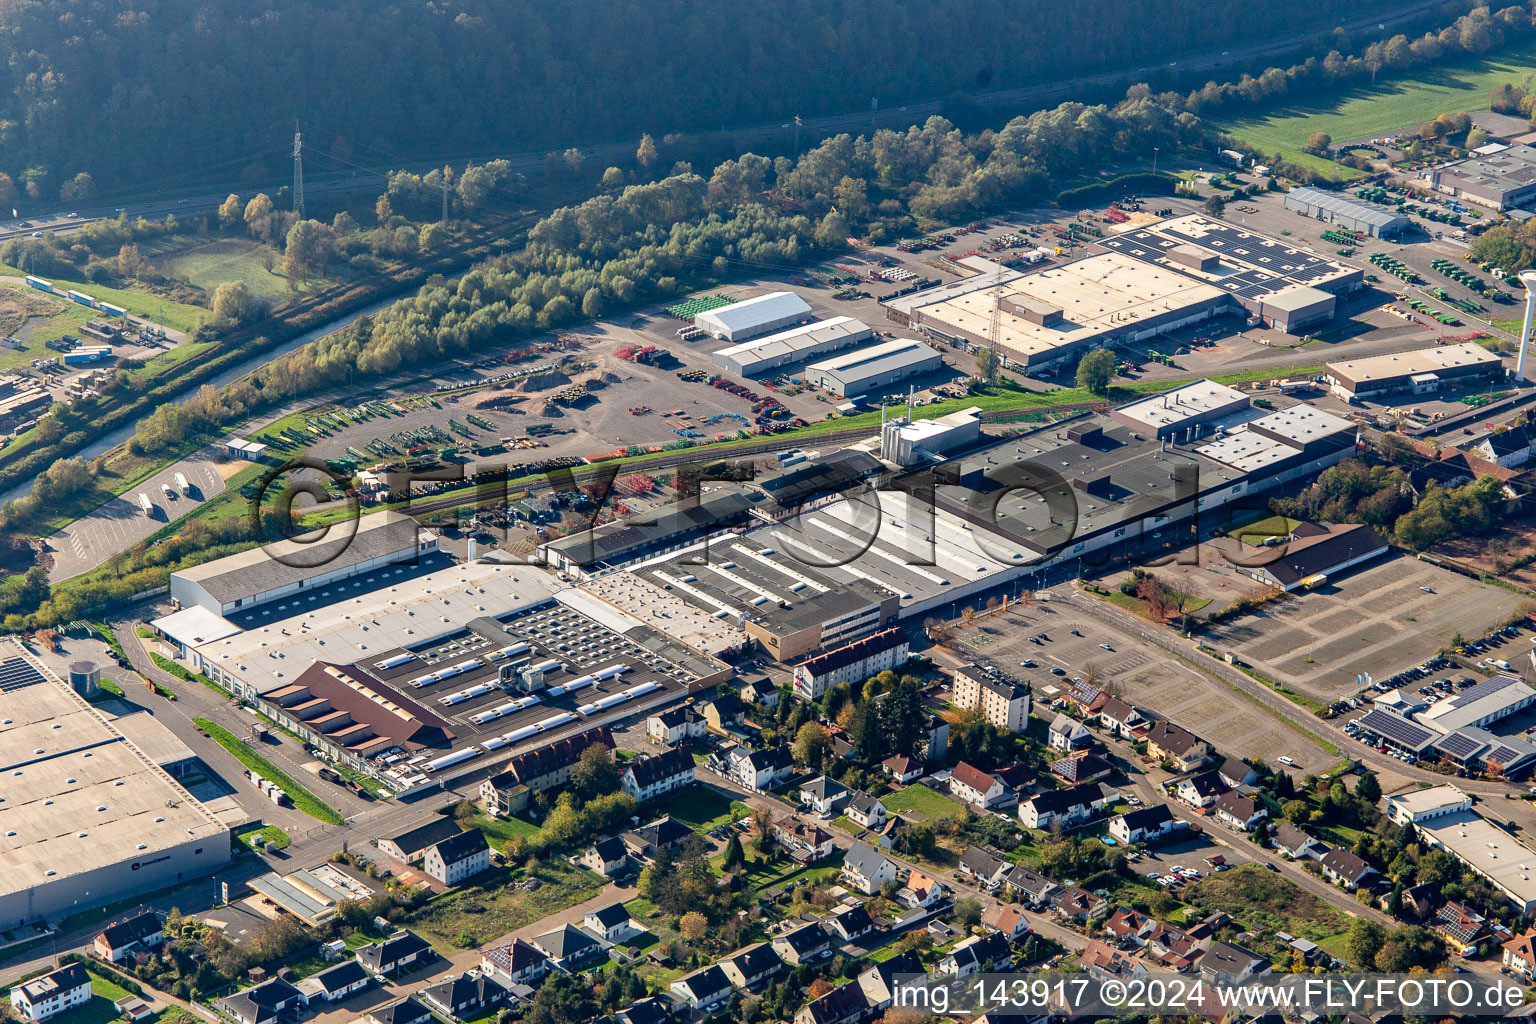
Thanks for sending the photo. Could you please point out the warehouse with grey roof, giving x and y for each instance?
(869, 369)
(1345, 212)
(793, 347)
(753, 317)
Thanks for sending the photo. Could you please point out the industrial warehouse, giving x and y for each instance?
(1351, 214)
(859, 373)
(1147, 281)
(752, 317)
(793, 347)
(847, 567)
(1424, 371)
(87, 817)
(1502, 180)
(415, 680)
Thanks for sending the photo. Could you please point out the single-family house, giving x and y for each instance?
(1202, 790)
(569, 948)
(1129, 927)
(919, 891)
(1033, 888)
(752, 965)
(612, 923)
(902, 768)
(1107, 963)
(1081, 766)
(401, 951)
(1239, 812)
(402, 1011)
(803, 841)
(973, 786)
(845, 1004)
(57, 992)
(465, 997)
(1462, 927)
(1235, 772)
(1081, 906)
(143, 932)
(1120, 719)
(702, 989)
(1178, 746)
(723, 713)
(1067, 733)
(866, 870)
(1145, 825)
(1070, 806)
(1520, 954)
(1295, 843)
(1231, 962)
(762, 769)
(650, 1010)
(647, 841)
(804, 944)
(1343, 868)
(824, 796)
(259, 1004)
(336, 983)
(879, 980)
(607, 857)
(851, 923)
(516, 963)
(987, 868)
(865, 810)
(675, 725)
(976, 955)
(1008, 920)
(412, 845)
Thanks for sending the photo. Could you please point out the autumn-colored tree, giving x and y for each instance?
(693, 926)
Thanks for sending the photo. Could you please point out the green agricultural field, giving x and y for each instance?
(1382, 108)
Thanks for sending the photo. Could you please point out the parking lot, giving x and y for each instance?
(1138, 673)
(1378, 619)
(121, 523)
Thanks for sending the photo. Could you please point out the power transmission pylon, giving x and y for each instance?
(298, 171)
(993, 361)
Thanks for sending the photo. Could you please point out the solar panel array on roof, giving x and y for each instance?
(16, 673)
(1399, 730)
(1460, 746)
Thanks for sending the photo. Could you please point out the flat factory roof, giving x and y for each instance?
(1505, 171)
(1200, 398)
(1095, 295)
(1248, 266)
(263, 569)
(1409, 364)
(1489, 700)
(354, 629)
(78, 794)
(1488, 849)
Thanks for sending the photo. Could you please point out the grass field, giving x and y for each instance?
(701, 809)
(1382, 108)
(166, 312)
(500, 831)
(1265, 902)
(918, 797)
(302, 798)
(487, 910)
(1139, 607)
(206, 264)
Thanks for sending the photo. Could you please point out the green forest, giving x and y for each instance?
(145, 95)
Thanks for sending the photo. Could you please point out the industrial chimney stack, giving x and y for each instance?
(1527, 278)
